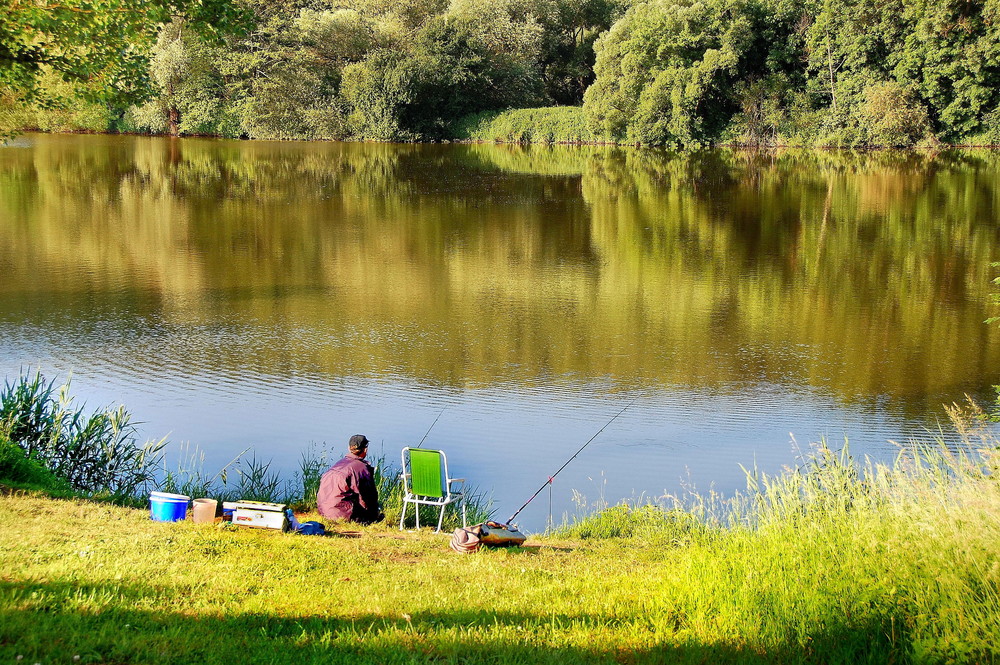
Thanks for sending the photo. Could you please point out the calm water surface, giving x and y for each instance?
(278, 295)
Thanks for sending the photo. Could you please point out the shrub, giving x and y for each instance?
(667, 72)
(558, 124)
(990, 134)
(66, 111)
(17, 468)
(891, 116)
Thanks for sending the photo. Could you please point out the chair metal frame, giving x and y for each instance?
(447, 495)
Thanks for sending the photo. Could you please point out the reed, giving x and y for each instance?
(96, 452)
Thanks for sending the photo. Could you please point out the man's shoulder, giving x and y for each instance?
(355, 464)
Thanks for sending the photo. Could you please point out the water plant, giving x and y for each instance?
(190, 478)
(313, 461)
(97, 452)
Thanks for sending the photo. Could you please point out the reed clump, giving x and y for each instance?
(96, 452)
(846, 560)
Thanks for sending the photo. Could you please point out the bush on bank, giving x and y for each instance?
(19, 470)
(559, 124)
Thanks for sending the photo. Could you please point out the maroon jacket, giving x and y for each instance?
(347, 491)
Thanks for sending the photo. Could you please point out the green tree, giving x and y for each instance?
(895, 72)
(950, 54)
(279, 80)
(103, 43)
(569, 33)
(850, 48)
(377, 90)
(451, 72)
(666, 73)
(187, 84)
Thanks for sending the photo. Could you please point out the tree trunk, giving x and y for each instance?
(833, 80)
(174, 121)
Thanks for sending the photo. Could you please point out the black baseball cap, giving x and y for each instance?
(358, 442)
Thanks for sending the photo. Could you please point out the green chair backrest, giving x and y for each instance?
(425, 472)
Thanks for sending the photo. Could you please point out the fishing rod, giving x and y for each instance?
(430, 428)
(566, 463)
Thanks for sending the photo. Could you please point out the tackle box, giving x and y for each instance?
(260, 515)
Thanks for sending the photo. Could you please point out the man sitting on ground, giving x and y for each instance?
(347, 490)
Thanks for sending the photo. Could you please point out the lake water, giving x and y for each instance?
(277, 295)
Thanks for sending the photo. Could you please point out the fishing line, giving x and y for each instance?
(430, 428)
(566, 463)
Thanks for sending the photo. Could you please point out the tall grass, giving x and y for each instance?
(892, 562)
(557, 124)
(98, 452)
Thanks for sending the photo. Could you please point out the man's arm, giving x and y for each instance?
(367, 491)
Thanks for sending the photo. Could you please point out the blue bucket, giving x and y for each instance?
(166, 507)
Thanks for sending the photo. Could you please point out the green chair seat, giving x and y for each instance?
(426, 482)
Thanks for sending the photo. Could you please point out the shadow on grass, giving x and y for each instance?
(35, 626)
(342, 534)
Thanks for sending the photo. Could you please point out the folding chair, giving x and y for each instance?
(426, 482)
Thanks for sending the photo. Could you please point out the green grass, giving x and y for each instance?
(831, 562)
(557, 124)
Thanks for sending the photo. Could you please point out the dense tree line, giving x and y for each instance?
(655, 72)
(888, 72)
(373, 69)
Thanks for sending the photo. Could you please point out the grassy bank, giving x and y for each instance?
(833, 562)
(558, 124)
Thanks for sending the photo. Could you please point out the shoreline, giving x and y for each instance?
(881, 569)
(740, 147)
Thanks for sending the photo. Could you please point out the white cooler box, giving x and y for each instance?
(260, 515)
